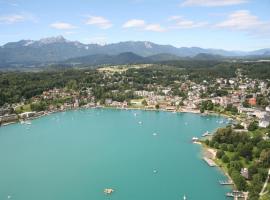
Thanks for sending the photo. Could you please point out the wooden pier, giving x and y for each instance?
(236, 194)
(226, 182)
(210, 162)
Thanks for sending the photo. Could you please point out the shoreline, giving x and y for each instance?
(117, 108)
(205, 149)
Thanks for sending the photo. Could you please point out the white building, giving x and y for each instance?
(264, 122)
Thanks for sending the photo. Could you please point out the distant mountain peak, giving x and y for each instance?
(49, 40)
(56, 49)
(148, 45)
(28, 42)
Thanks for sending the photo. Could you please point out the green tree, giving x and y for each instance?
(219, 154)
(225, 159)
(239, 180)
(265, 157)
(253, 126)
(144, 102)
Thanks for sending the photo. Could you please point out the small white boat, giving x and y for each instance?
(154, 134)
(207, 133)
(27, 122)
(184, 197)
(140, 122)
(154, 171)
(108, 191)
(9, 197)
(195, 139)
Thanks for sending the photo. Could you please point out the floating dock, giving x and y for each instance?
(210, 162)
(225, 182)
(236, 194)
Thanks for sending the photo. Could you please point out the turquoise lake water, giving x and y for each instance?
(75, 155)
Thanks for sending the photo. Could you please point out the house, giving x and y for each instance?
(259, 113)
(27, 114)
(266, 137)
(108, 101)
(244, 173)
(224, 101)
(76, 103)
(252, 101)
(246, 110)
(264, 122)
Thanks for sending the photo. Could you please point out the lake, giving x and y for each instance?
(142, 155)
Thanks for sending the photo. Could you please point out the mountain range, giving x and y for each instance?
(58, 49)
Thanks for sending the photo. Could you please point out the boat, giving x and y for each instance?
(184, 197)
(154, 134)
(140, 122)
(26, 122)
(207, 133)
(108, 190)
(195, 139)
(154, 171)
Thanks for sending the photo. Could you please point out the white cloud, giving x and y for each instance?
(142, 25)
(182, 23)
(133, 23)
(17, 18)
(62, 26)
(243, 20)
(154, 27)
(11, 19)
(212, 3)
(101, 22)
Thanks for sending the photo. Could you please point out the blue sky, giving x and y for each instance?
(226, 24)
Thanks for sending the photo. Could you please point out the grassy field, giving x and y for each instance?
(22, 109)
(122, 68)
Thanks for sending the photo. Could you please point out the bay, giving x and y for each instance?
(142, 155)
